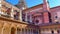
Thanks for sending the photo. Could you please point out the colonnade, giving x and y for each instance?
(7, 27)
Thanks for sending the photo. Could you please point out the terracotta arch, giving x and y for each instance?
(13, 30)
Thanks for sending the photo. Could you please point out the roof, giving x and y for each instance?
(55, 7)
(37, 6)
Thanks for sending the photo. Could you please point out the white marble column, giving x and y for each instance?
(20, 17)
(31, 18)
(26, 17)
(12, 11)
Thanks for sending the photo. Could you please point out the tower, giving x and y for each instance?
(21, 4)
(46, 10)
(46, 5)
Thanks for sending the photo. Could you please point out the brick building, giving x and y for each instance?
(40, 19)
(48, 19)
(11, 20)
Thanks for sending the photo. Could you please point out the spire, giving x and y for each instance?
(46, 5)
(21, 4)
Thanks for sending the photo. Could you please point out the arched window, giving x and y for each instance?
(16, 15)
(13, 30)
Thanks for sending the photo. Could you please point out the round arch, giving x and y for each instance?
(13, 30)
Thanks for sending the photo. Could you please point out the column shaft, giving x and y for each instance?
(12, 13)
(30, 18)
(20, 16)
(2, 28)
(26, 17)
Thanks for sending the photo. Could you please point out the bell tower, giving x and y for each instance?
(46, 10)
(46, 5)
(21, 4)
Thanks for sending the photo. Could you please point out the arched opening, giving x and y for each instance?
(18, 31)
(50, 20)
(16, 15)
(58, 31)
(52, 32)
(13, 30)
(35, 31)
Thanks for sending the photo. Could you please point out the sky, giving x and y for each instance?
(31, 3)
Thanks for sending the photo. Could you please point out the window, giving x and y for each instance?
(56, 16)
(56, 20)
(16, 15)
(50, 20)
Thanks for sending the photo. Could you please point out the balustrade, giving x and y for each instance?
(9, 11)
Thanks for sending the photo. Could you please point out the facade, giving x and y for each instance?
(11, 21)
(48, 19)
(40, 19)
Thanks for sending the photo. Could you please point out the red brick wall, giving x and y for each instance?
(46, 17)
(53, 12)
